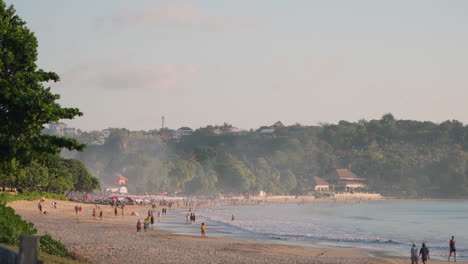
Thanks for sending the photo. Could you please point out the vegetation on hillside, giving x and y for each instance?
(397, 157)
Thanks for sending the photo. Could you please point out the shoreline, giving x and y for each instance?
(114, 240)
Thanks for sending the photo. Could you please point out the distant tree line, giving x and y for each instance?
(397, 157)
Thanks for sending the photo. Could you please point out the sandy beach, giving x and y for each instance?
(114, 240)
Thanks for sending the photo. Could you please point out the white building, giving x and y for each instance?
(57, 128)
(69, 131)
(106, 133)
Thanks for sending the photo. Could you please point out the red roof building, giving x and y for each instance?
(121, 180)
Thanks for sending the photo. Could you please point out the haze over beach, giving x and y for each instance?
(233, 131)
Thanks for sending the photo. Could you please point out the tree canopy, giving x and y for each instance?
(26, 105)
(29, 158)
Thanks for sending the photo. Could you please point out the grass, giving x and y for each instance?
(50, 259)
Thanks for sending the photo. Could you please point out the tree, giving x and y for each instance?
(26, 105)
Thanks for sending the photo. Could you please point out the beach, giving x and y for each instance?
(114, 240)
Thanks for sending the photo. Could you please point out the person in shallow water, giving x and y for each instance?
(453, 249)
(424, 253)
(414, 254)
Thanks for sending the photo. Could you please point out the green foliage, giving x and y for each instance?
(53, 247)
(25, 104)
(28, 159)
(29, 196)
(397, 157)
(12, 226)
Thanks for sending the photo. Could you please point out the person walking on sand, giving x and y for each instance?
(203, 230)
(138, 226)
(115, 211)
(424, 253)
(414, 254)
(39, 207)
(100, 214)
(453, 249)
(94, 213)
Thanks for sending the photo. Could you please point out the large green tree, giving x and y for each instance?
(26, 104)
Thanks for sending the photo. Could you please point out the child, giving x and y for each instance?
(203, 230)
(138, 226)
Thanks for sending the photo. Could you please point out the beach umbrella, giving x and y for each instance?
(87, 197)
(114, 198)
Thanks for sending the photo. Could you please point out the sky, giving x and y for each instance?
(253, 62)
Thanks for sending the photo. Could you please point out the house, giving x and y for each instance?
(123, 189)
(345, 180)
(106, 133)
(184, 131)
(217, 132)
(69, 132)
(267, 131)
(316, 184)
(121, 180)
(56, 129)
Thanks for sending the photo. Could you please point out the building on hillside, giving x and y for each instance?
(69, 132)
(121, 180)
(267, 131)
(316, 184)
(184, 131)
(105, 133)
(217, 132)
(56, 129)
(345, 180)
(96, 138)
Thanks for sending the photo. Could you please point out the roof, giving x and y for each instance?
(320, 181)
(122, 178)
(345, 174)
(185, 129)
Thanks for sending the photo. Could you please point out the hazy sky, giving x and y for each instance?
(253, 62)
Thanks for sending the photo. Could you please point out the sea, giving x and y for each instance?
(382, 228)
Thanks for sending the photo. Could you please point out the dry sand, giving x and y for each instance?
(115, 240)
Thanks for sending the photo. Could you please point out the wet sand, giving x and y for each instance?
(114, 240)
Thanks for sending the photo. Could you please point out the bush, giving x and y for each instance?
(53, 247)
(29, 196)
(12, 226)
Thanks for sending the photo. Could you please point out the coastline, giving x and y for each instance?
(115, 240)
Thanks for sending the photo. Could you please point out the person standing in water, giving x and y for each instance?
(424, 253)
(203, 230)
(232, 218)
(453, 249)
(414, 254)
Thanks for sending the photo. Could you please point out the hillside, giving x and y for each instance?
(396, 157)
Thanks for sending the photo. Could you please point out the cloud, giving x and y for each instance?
(179, 15)
(110, 75)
